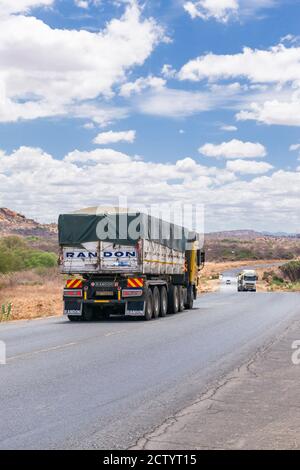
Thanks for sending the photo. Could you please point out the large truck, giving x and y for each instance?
(246, 281)
(125, 263)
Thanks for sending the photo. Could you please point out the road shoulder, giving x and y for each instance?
(255, 407)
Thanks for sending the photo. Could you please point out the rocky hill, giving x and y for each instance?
(247, 235)
(13, 223)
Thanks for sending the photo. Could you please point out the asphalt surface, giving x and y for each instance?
(106, 384)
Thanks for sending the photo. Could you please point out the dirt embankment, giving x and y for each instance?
(32, 294)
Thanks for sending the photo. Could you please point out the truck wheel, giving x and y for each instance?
(163, 302)
(173, 299)
(156, 302)
(181, 299)
(190, 298)
(74, 317)
(88, 313)
(149, 306)
(195, 292)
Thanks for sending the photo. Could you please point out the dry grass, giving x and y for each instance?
(38, 293)
(265, 283)
(33, 294)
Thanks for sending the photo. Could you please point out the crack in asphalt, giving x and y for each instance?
(160, 430)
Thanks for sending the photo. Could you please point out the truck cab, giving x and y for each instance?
(247, 281)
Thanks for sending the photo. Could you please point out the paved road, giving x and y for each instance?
(106, 384)
(232, 274)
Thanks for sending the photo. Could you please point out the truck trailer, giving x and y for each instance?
(122, 263)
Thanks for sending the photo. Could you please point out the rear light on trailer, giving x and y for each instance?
(72, 292)
(132, 293)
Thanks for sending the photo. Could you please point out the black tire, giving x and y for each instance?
(181, 299)
(87, 312)
(190, 298)
(149, 306)
(156, 302)
(173, 299)
(74, 317)
(163, 302)
(195, 292)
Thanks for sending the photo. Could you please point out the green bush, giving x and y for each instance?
(5, 312)
(291, 270)
(245, 254)
(277, 280)
(38, 259)
(16, 255)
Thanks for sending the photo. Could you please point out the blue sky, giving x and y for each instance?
(193, 101)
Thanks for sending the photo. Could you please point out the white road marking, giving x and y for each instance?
(40, 351)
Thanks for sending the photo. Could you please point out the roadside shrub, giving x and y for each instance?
(5, 312)
(37, 259)
(291, 270)
(215, 276)
(16, 255)
(277, 280)
(245, 254)
(267, 275)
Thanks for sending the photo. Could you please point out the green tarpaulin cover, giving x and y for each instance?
(122, 228)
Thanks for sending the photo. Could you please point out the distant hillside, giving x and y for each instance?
(42, 236)
(247, 235)
(240, 245)
(220, 246)
(13, 223)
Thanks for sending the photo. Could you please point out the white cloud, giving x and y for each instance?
(112, 137)
(47, 71)
(141, 84)
(221, 10)
(294, 147)
(85, 4)
(224, 10)
(233, 149)
(22, 6)
(168, 71)
(229, 128)
(101, 115)
(284, 113)
(41, 186)
(103, 156)
(89, 125)
(279, 64)
(174, 103)
(271, 72)
(82, 4)
(248, 167)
